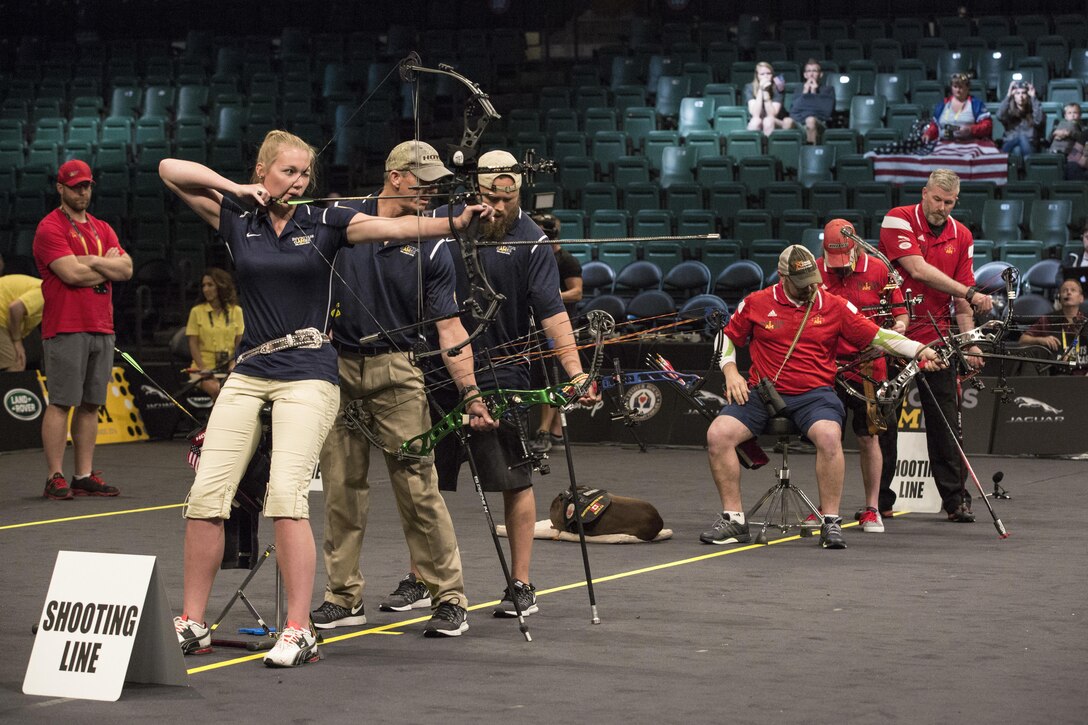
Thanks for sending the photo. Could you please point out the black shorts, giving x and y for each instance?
(499, 455)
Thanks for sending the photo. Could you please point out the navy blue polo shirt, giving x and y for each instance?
(384, 289)
(284, 284)
(529, 278)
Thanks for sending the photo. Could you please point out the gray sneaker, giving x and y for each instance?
(330, 616)
(449, 620)
(410, 593)
(726, 531)
(831, 533)
(526, 597)
(542, 442)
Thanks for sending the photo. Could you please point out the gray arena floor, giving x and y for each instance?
(928, 622)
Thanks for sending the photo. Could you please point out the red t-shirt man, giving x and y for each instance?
(69, 308)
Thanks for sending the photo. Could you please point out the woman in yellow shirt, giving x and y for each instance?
(214, 330)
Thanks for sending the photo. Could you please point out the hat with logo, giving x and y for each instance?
(74, 172)
(838, 248)
(419, 158)
(797, 263)
(497, 160)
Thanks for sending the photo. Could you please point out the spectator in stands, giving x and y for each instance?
(214, 330)
(550, 431)
(1022, 115)
(1078, 259)
(79, 258)
(21, 305)
(960, 117)
(1065, 331)
(764, 96)
(1068, 139)
(815, 103)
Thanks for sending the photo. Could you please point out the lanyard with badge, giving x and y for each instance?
(98, 288)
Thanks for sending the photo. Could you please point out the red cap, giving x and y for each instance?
(74, 172)
(837, 246)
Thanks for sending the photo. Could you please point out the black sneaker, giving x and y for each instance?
(449, 620)
(526, 594)
(962, 514)
(556, 441)
(57, 488)
(542, 442)
(329, 616)
(831, 533)
(411, 593)
(726, 531)
(92, 485)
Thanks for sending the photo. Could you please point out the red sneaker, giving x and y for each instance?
(57, 488)
(92, 485)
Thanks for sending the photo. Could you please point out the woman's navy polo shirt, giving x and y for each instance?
(284, 283)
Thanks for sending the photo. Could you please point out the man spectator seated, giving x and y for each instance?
(813, 106)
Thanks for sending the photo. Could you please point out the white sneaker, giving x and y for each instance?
(871, 521)
(194, 637)
(294, 647)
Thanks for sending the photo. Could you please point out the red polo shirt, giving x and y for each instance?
(906, 232)
(768, 320)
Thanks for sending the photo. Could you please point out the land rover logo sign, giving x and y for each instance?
(643, 401)
(22, 404)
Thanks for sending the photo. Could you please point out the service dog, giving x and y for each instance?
(604, 513)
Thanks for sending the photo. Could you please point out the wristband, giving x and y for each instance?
(465, 391)
(971, 292)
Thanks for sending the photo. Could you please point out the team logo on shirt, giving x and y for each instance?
(949, 250)
(818, 320)
(409, 250)
(504, 249)
(905, 245)
(769, 325)
(303, 240)
(865, 287)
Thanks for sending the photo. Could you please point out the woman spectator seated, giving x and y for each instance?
(1022, 115)
(765, 96)
(960, 117)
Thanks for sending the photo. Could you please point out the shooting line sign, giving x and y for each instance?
(106, 621)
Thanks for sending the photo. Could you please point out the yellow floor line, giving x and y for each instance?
(91, 516)
(388, 628)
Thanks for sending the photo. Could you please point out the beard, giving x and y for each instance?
(497, 228)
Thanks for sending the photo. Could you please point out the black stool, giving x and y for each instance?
(784, 505)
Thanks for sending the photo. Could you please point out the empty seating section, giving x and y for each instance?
(650, 135)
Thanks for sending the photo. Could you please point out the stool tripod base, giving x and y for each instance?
(784, 507)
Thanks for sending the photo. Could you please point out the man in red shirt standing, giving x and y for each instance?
(793, 330)
(864, 282)
(79, 259)
(935, 255)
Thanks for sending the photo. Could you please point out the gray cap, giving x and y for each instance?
(419, 158)
(797, 263)
(497, 160)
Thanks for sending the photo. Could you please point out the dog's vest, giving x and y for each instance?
(591, 502)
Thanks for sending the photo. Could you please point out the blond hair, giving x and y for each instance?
(945, 179)
(276, 141)
(755, 76)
